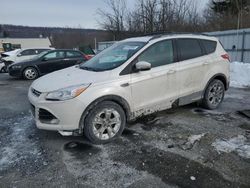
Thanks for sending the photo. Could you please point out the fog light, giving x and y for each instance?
(54, 121)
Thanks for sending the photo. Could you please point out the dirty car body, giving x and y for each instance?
(134, 77)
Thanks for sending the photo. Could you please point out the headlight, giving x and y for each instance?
(67, 93)
(16, 67)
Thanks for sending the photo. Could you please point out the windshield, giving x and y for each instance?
(113, 56)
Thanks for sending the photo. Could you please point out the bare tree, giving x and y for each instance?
(114, 20)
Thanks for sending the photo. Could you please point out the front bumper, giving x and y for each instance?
(15, 72)
(56, 115)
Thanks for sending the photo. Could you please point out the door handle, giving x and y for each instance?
(206, 63)
(171, 71)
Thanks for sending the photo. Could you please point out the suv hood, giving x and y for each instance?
(68, 77)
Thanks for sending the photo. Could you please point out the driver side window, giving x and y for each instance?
(158, 54)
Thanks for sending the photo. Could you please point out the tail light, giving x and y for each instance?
(226, 56)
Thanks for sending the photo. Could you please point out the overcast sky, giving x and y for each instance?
(59, 13)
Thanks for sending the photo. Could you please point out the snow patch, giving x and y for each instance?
(17, 147)
(101, 171)
(240, 74)
(195, 138)
(238, 144)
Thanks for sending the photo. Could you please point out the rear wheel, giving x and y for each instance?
(104, 123)
(214, 94)
(30, 73)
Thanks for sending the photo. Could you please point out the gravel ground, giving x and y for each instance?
(183, 147)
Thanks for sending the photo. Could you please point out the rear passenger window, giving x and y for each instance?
(188, 49)
(73, 54)
(27, 52)
(159, 54)
(209, 46)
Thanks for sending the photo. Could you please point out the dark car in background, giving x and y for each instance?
(45, 63)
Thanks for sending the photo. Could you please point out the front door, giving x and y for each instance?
(157, 88)
(52, 61)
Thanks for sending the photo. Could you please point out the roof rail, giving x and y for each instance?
(162, 34)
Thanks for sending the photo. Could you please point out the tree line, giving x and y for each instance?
(156, 16)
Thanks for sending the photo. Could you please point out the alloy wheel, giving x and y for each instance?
(215, 94)
(106, 124)
(30, 73)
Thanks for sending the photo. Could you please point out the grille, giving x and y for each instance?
(35, 92)
(45, 115)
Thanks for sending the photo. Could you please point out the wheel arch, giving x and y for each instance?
(220, 77)
(114, 98)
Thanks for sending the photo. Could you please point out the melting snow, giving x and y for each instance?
(240, 74)
(194, 138)
(17, 146)
(238, 144)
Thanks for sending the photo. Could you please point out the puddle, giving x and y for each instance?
(199, 111)
(245, 126)
(80, 147)
(147, 120)
(245, 113)
(129, 132)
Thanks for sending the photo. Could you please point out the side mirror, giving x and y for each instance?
(143, 66)
(19, 55)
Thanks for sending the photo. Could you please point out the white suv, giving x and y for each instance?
(134, 77)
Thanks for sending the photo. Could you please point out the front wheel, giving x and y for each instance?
(104, 123)
(30, 73)
(214, 94)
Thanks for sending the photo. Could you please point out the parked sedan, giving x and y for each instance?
(19, 55)
(46, 62)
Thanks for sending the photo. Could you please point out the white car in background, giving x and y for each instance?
(2, 67)
(19, 55)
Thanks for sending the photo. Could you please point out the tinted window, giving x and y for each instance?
(38, 51)
(54, 55)
(209, 45)
(188, 49)
(28, 52)
(73, 54)
(159, 54)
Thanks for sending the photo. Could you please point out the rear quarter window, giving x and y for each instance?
(188, 49)
(73, 54)
(209, 46)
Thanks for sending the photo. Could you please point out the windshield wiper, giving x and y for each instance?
(89, 68)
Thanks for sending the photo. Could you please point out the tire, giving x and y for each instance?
(214, 94)
(30, 73)
(104, 122)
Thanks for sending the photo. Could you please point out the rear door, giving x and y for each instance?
(52, 61)
(191, 66)
(155, 89)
